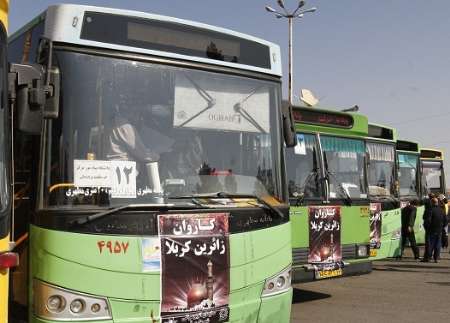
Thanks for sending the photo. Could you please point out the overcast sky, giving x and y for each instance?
(390, 57)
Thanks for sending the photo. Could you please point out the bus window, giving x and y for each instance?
(344, 161)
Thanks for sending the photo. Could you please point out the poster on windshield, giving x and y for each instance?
(325, 252)
(375, 227)
(216, 104)
(195, 267)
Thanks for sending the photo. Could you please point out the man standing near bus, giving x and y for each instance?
(408, 220)
(434, 221)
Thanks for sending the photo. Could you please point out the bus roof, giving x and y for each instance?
(65, 24)
(431, 153)
(330, 121)
(382, 132)
(408, 146)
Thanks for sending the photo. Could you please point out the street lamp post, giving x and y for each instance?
(297, 13)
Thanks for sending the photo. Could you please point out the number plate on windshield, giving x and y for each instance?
(373, 252)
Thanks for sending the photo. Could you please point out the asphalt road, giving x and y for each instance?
(396, 291)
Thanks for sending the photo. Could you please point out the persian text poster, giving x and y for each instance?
(375, 225)
(195, 273)
(325, 251)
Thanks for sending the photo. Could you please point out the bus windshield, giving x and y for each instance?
(344, 162)
(137, 132)
(432, 173)
(303, 168)
(407, 175)
(381, 170)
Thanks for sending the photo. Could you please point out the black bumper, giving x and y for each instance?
(303, 274)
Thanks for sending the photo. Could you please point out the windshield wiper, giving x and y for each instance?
(238, 108)
(348, 199)
(301, 195)
(225, 195)
(205, 95)
(102, 214)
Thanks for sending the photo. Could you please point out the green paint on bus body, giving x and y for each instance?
(390, 235)
(419, 230)
(74, 261)
(354, 225)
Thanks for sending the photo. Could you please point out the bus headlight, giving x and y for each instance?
(278, 283)
(362, 251)
(56, 303)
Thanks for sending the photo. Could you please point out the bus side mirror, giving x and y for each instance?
(27, 93)
(51, 107)
(289, 133)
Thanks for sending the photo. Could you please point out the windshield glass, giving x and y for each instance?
(303, 168)
(344, 162)
(134, 132)
(381, 169)
(407, 174)
(432, 173)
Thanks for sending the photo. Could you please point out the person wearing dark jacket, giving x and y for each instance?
(426, 215)
(408, 220)
(434, 221)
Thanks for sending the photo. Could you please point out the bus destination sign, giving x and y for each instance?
(329, 119)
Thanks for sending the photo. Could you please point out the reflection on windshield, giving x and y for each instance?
(381, 169)
(407, 174)
(432, 176)
(134, 132)
(303, 168)
(344, 161)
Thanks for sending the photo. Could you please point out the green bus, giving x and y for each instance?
(432, 170)
(383, 192)
(409, 176)
(149, 171)
(328, 194)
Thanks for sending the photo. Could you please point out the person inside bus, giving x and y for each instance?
(133, 137)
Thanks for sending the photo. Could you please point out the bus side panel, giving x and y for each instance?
(75, 261)
(390, 235)
(419, 230)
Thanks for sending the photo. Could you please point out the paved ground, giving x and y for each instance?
(396, 291)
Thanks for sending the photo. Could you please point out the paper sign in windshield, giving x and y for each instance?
(118, 175)
(375, 225)
(195, 275)
(325, 237)
(124, 179)
(300, 148)
(210, 103)
(92, 173)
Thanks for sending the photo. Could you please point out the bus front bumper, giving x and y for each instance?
(275, 308)
(306, 273)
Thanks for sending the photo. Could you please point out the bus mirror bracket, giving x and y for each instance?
(51, 106)
(27, 95)
(290, 135)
